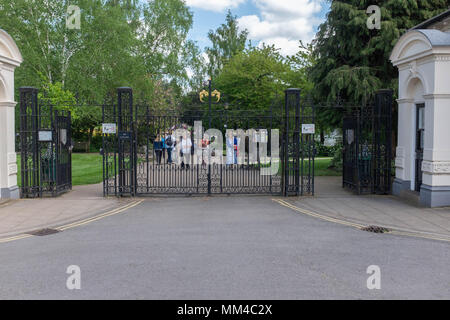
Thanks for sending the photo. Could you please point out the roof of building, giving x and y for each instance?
(437, 38)
(426, 24)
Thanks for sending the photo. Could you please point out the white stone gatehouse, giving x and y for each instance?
(10, 58)
(422, 56)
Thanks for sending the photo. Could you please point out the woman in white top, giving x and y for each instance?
(186, 147)
(230, 148)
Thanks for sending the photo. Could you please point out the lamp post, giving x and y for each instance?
(210, 93)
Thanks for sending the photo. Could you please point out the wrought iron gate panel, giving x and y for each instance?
(29, 147)
(383, 142)
(110, 151)
(45, 146)
(367, 146)
(63, 151)
(137, 166)
(127, 143)
(349, 149)
(308, 149)
(299, 147)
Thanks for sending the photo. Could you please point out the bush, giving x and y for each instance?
(326, 151)
(336, 163)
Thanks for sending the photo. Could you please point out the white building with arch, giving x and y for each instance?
(10, 58)
(422, 56)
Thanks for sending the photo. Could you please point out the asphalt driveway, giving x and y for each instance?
(222, 248)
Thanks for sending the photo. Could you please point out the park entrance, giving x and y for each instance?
(45, 147)
(267, 151)
(222, 149)
(217, 148)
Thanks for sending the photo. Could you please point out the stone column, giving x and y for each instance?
(435, 190)
(10, 58)
(405, 146)
(8, 161)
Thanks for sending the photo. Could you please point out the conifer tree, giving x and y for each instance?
(353, 61)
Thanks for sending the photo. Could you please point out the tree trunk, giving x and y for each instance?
(322, 137)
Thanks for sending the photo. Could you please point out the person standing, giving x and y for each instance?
(230, 148)
(158, 148)
(164, 147)
(186, 149)
(236, 145)
(169, 142)
(205, 149)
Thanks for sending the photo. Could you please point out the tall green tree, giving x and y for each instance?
(120, 43)
(353, 61)
(254, 77)
(227, 41)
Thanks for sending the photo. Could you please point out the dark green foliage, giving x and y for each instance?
(352, 60)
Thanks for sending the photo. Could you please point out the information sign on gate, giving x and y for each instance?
(45, 136)
(109, 128)
(308, 128)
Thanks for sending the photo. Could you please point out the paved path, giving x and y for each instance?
(32, 214)
(333, 201)
(222, 248)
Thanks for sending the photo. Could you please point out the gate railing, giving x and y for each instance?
(132, 165)
(298, 145)
(45, 147)
(367, 146)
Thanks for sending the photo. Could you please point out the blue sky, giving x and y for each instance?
(279, 22)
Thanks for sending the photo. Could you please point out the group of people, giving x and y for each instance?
(166, 143)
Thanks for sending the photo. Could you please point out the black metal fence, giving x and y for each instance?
(45, 147)
(258, 151)
(367, 146)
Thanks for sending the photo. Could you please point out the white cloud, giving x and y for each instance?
(283, 23)
(214, 5)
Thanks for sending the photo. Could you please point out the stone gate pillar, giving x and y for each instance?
(423, 154)
(10, 58)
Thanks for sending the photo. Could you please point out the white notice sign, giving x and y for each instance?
(109, 128)
(45, 136)
(308, 128)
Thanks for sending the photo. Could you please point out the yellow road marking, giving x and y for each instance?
(316, 215)
(22, 236)
(81, 222)
(354, 225)
(104, 215)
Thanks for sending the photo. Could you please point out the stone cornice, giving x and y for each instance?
(421, 60)
(441, 57)
(8, 61)
(7, 104)
(436, 96)
(405, 100)
(442, 167)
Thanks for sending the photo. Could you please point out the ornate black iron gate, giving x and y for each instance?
(45, 147)
(367, 146)
(146, 151)
(299, 145)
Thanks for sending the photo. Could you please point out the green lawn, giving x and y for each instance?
(87, 168)
(322, 168)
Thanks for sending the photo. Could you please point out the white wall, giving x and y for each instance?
(423, 79)
(10, 58)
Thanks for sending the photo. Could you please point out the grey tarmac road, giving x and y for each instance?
(222, 248)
